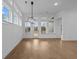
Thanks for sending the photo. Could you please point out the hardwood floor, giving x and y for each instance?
(44, 49)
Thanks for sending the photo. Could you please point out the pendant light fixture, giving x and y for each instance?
(31, 19)
(32, 9)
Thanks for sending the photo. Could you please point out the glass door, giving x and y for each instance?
(35, 29)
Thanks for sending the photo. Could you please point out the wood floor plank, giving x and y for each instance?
(44, 49)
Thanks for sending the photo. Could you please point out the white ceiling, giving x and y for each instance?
(45, 7)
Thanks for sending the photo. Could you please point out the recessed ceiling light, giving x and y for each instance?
(55, 4)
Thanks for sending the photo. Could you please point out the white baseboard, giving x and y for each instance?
(68, 39)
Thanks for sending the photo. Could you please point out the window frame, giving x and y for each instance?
(26, 27)
(43, 24)
(8, 18)
(53, 29)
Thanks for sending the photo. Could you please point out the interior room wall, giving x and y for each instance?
(69, 24)
(56, 34)
(12, 34)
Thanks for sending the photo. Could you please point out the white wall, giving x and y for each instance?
(69, 21)
(11, 36)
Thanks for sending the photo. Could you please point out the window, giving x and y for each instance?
(51, 26)
(9, 15)
(27, 26)
(43, 27)
(27, 29)
(35, 26)
(5, 13)
(43, 30)
(14, 18)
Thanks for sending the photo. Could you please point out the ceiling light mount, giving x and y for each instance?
(32, 2)
(26, 2)
(32, 9)
(31, 19)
